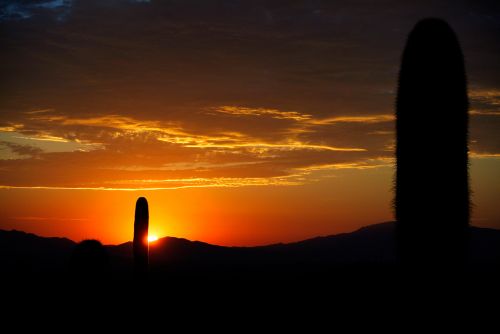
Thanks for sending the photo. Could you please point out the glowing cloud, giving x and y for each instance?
(274, 113)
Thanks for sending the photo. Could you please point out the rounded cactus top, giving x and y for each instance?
(432, 77)
(432, 45)
(141, 208)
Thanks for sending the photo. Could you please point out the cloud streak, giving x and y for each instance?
(181, 92)
(354, 119)
(274, 113)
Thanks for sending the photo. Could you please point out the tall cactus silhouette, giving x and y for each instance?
(141, 246)
(432, 191)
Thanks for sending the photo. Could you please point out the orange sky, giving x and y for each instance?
(242, 125)
(342, 201)
(243, 216)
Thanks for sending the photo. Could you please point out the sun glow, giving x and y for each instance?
(152, 238)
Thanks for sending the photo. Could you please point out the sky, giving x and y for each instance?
(242, 122)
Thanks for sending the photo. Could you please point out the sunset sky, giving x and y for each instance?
(243, 122)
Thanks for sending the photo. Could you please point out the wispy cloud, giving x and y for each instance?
(21, 151)
(158, 150)
(11, 127)
(484, 155)
(43, 137)
(151, 185)
(128, 153)
(491, 96)
(172, 132)
(300, 117)
(295, 177)
(274, 113)
(40, 142)
(107, 121)
(38, 111)
(485, 102)
(354, 119)
(292, 145)
(484, 113)
(360, 165)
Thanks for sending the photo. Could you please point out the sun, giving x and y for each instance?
(152, 238)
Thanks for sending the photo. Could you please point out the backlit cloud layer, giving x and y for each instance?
(171, 94)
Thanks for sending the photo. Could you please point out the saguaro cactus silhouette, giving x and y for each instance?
(141, 246)
(432, 190)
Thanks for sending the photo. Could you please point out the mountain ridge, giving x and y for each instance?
(372, 245)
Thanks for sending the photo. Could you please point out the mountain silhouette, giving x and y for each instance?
(27, 253)
(369, 247)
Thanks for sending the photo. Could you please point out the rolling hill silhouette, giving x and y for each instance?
(22, 252)
(369, 247)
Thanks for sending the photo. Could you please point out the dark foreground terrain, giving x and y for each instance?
(347, 273)
(369, 249)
